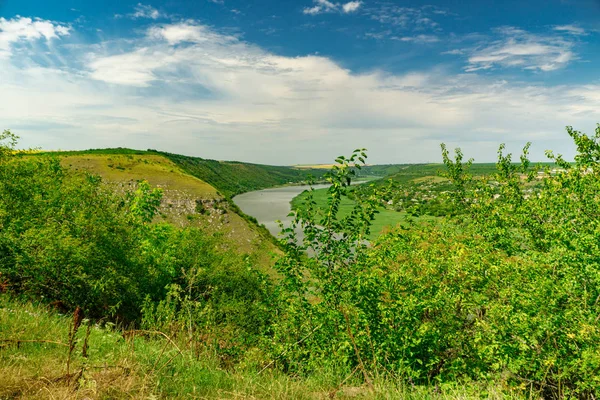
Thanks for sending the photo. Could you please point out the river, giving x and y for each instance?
(270, 205)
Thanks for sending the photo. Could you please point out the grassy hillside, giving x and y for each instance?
(232, 178)
(228, 177)
(187, 200)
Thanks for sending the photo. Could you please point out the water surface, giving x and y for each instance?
(270, 205)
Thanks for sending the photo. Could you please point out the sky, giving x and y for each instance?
(302, 81)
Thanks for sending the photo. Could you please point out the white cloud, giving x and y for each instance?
(378, 35)
(420, 39)
(133, 68)
(186, 32)
(395, 15)
(312, 10)
(21, 29)
(454, 52)
(142, 11)
(326, 6)
(427, 22)
(145, 11)
(572, 29)
(189, 89)
(351, 6)
(409, 24)
(521, 49)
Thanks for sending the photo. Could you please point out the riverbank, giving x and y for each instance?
(271, 205)
(275, 204)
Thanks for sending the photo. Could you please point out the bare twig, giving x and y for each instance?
(360, 362)
(162, 351)
(169, 361)
(86, 340)
(77, 318)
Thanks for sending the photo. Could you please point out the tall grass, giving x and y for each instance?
(34, 350)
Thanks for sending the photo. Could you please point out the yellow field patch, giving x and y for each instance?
(315, 166)
(430, 178)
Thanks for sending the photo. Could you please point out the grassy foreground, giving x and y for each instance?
(34, 349)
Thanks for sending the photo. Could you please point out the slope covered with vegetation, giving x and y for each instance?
(228, 177)
(186, 199)
(232, 178)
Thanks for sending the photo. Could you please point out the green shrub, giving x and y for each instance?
(506, 291)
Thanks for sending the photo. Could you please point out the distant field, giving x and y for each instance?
(313, 166)
(426, 179)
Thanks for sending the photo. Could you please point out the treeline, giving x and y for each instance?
(506, 291)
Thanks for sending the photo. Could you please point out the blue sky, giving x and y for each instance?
(300, 81)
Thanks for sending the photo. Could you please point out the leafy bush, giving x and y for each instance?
(69, 239)
(506, 291)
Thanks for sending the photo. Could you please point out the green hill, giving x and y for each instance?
(228, 177)
(233, 177)
(187, 200)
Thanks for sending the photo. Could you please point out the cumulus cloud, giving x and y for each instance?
(187, 88)
(521, 49)
(21, 29)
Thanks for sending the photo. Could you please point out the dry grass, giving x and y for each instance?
(113, 383)
(315, 166)
(157, 170)
(129, 367)
(431, 179)
(318, 166)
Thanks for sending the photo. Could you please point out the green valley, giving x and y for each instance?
(133, 274)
